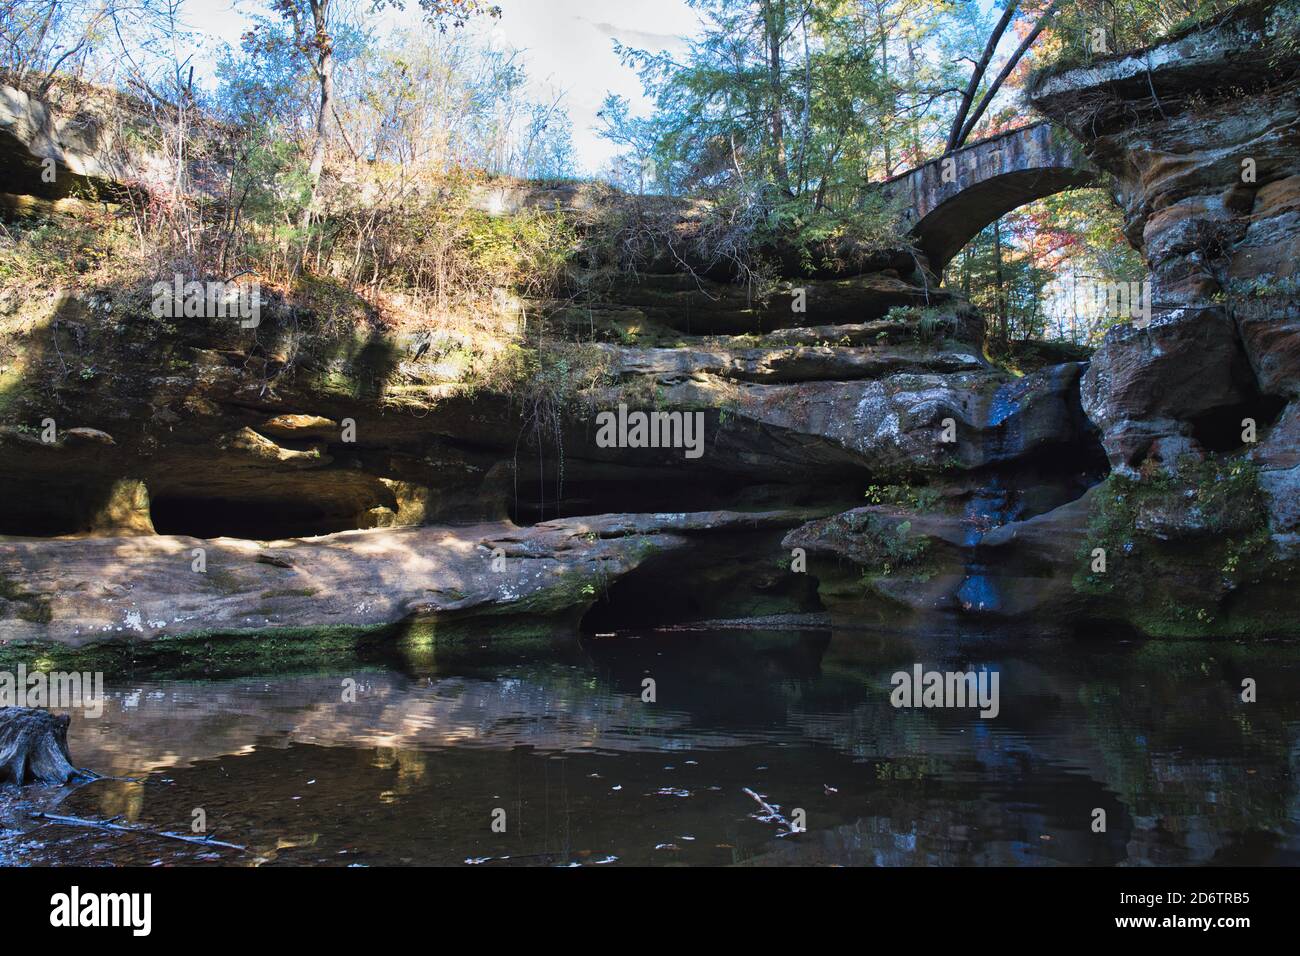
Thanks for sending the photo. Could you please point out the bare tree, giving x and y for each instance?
(1010, 65)
(977, 75)
(38, 40)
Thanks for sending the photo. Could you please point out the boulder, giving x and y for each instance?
(1144, 387)
(94, 590)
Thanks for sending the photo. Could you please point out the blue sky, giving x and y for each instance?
(568, 44)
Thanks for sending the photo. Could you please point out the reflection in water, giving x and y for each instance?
(412, 770)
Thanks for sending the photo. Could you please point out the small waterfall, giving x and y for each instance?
(993, 504)
(989, 507)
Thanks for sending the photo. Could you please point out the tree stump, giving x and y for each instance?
(34, 747)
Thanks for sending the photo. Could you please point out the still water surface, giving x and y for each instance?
(588, 774)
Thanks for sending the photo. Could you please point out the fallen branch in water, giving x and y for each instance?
(142, 831)
(770, 812)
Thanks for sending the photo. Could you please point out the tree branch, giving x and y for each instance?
(1006, 71)
(959, 121)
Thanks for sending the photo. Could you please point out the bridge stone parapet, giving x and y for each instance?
(950, 199)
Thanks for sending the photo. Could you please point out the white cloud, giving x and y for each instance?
(568, 44)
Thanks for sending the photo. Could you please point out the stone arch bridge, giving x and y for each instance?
(950, 199)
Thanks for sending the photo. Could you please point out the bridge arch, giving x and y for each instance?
(950, 199)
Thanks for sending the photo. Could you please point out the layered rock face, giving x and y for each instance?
(1194, 533)
(208, 435)
(1202, 137)
(840, 446)
(394, 470)
(85, 591)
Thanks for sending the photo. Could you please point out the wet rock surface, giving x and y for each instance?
(90, 590)
(368, 479)
(1202, 138)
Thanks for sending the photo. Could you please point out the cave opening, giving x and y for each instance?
(638, 600)
(35, 518)
(1220, 429)
(257, 519)
(741, 575)
(44, 508)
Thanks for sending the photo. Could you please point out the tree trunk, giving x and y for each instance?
(977, 74)
(325, 78)
(883, 33)
(916, 118)
(34, 747)
(773, 24)
(998, 281)
(992, 91)
(35, 48)
(806, 129)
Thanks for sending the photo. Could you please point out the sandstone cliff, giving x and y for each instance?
(366, 477)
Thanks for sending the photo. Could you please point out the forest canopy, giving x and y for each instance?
(353, 138)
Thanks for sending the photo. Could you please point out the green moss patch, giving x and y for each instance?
(1188, 554)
